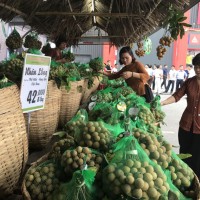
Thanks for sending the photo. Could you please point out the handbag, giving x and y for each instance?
(148, 93)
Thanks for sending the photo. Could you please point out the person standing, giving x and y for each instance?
(114, 69)
(153, 84)
(56, 53)
(150, 72)
(165, 74)
(171, 79)
(189, 126)
(191, 71)
(180, 77)
(108, 66)
(158, 74)
(133, 71)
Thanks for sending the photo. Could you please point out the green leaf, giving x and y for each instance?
(185, 24)
(181, 19)
(182, 32)
(60, 133)
(184, 156)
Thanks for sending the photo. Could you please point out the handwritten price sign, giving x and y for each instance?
(34, 82)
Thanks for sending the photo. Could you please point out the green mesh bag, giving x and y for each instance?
(122, 91)
(182, 176)
(60, 147)
(78, 158)
(154, 129)
(174, 192)
(159, 115)
(76, 124)
(116, 83)
(41, 181)
(95, 135)
(101, 111)
(131, 173)
(78, 188)
(157, 149)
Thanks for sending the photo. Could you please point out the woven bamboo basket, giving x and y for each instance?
(25, 193)
(88, 92)
(43, 123)
(197, 187)
(13, 140)
(70, 101)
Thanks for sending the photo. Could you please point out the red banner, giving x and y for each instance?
(198, 19)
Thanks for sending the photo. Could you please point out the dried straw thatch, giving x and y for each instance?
(125, 21)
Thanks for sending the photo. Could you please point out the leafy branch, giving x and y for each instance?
(175, 24)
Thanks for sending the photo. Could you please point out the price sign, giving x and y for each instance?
(34, 82)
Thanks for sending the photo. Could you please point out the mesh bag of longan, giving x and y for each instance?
(183, 177)
(174, 193)
(60, 146)
(116, 83)
(95, 135)
(134, 100)
(156, 109)
(77, 158)
(78, 188)
(155, 146)
(77, 122)
(101, 111)
(41, 180)
(108, 113)
(132, 174)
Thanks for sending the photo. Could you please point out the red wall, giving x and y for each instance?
(109, 53)
(180, 47)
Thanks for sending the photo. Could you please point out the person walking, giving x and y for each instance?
(180, 77)
(171, 79)
(133, 71)
(189, 126)
(165, 74)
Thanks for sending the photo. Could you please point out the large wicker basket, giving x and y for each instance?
(196, 187)
(88, 92)
(70, 101)
(13, 140)
(25, 193)
(43, 123)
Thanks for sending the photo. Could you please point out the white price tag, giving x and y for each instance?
(91, 105)
(133, 111)
(34, 82)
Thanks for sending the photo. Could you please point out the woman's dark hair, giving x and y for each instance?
(59, 40)
(128, 50)
(196, 60)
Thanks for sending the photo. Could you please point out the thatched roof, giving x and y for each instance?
(125, 21)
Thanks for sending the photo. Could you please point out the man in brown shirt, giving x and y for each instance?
(189, 126)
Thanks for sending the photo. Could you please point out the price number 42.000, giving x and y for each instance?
(33, 94)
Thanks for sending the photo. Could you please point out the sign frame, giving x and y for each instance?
(34, 82)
